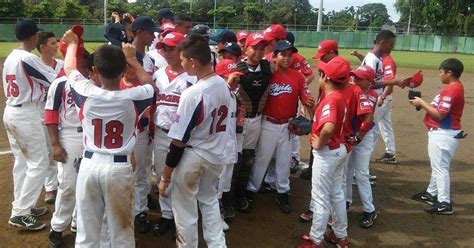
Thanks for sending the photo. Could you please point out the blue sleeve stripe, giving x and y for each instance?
(78, 98)
(32, 72)
(57, 95)
(193, 122)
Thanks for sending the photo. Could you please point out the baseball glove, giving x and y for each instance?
(300, 126)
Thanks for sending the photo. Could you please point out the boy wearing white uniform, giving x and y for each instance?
(197, 150)
(170, 82)
(24, 77)
(109, 119)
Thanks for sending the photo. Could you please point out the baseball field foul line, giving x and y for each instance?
(5, 152)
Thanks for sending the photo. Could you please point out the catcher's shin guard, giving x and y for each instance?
(242, 178)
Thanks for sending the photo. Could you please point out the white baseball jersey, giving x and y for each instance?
(203, 118)
(231, 145)
(60, 108)
(25, 78)
(376, 63)
(57, 66)
(148, 64)
(168, 95)
(159, 60)
(109, 118)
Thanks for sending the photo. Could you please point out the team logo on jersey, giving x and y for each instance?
(178, 90)
(447, 98)
(307, 66)
(325, 112)
(278, 89)
(444, 106)
(232, 66)
(257, 83)
(362, 97)
(365, 105)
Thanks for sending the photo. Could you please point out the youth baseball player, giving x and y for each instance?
(65, 132)
(252, 95)
(170, 82)
(272, 35)
(24, 78)
(286, 88)
(329, 155)
(143, 29)
(109, 119)
(195, 156)
(47, 46)
(443, 120)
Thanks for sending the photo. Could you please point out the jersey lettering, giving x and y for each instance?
(222, 113)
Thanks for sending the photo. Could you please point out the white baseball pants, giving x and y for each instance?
(295, 147)
(358, 165)
(142, 172)
(194, 184)
(105, 187)
(161, 146)
(441, 148)
(71, 141)
(51, 180)
(383, 126)
(327, 192)
(225, 180)
(248, 139)
(274, 140)
(28, 144)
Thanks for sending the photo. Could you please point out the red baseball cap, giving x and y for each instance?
(364, 72)
(337, 69)
(226, 67)
(254, 39)
(275, 31)
(416, 80)
(79, 31)
(167, 28)
(242, 35)
(171, 39)
(324, 47)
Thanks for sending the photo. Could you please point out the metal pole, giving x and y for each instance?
(105, 13)
(409, 22)
(215, 7)
(320, 16)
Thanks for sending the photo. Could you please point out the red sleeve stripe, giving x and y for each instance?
(51, 117)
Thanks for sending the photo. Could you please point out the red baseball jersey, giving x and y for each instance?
(357, 104)
(450, 103)
(371, 102)
(389, 68)
(332, 108)
(300, 64)
(285, 89)
(124, 86)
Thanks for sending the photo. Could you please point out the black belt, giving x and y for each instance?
(16, 106)
(117, 158)
(79, 129)
(252, 114)
(163, 129)
(189, 147)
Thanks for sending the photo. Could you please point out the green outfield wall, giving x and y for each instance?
(357, 40)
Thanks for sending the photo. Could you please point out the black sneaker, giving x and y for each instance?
(163, 226)
(283, 203)
(440, 208)
(387, 158)
(39, 211)
(27, 222)
(142, 224)
(372, 177)
(151, 204)
(373, 183)
(368, 219)
(265, 188)
(348, 205)
(55, 239)
(294, 165)
(251, 199)
(307, 173)
(425, 197)
(228, 213)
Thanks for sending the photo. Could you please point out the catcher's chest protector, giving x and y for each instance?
(253, 88)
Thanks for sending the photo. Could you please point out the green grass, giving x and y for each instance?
(421, 60)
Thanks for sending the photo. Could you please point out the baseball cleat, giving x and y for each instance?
(331, 238)
(225, 226)
(38, 211)
(372, 177)
(309, 243)
(265, 188)
(251, 199)
(27, 222)
(387, 158)
(163, 226)
(142, 224)
(307, 216)
(440, 208)
(294, 165)
(151, 204)
(228, 213)
(50, 196)
(373, 183)
(55, 239)
(368, 219)
(242, 205)
(283, 203)
(73, 229)
(425, 197)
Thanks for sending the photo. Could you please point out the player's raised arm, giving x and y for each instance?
(70, 60)
(130, 55)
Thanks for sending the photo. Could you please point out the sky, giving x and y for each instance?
(341, 4)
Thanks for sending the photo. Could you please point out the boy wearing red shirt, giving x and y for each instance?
(443, 120)
(286, 87)
(329, 154)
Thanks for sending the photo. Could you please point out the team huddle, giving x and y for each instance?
(213, 127)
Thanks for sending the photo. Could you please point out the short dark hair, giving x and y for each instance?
(180, 18)
(90, 62)
(454, 65)
(197, 47)
(43, 39)
(385, 35)
(109, 61)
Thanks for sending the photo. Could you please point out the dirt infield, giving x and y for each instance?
(401, 222)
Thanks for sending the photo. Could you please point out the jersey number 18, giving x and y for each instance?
(113, 129)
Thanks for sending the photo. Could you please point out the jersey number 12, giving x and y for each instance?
(222, 114)
(113, 130)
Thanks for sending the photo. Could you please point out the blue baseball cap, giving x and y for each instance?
(283, 45)
(25, 28)
(232, 48)
(290, 37)
(145, 23)
(224, 36)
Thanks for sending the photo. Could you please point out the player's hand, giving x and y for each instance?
(315, 142)
(70, 37)
(401, 82)
(129, 51)
(380, 101)
(417, 102)
(163, 186)
(59, 154)
(233, 78)
(355, 53)
(310, 102)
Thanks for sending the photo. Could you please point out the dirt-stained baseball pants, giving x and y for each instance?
(161, 146)
(143, 159)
